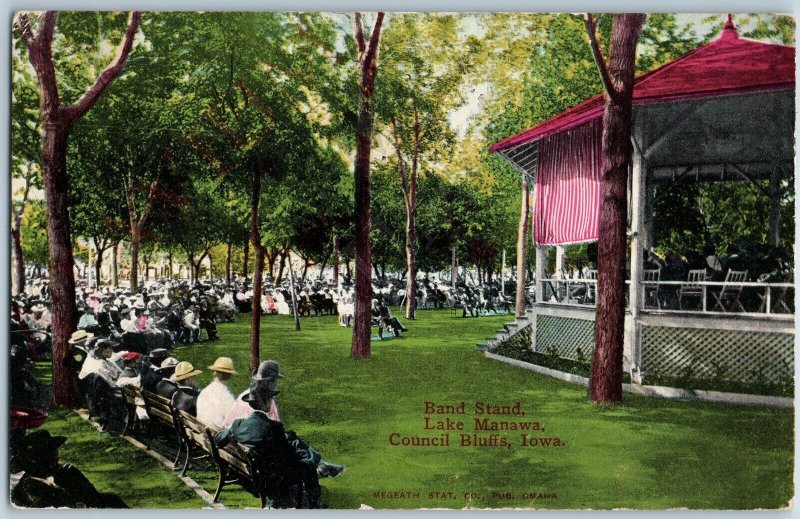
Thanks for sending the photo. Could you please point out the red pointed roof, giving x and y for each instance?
(726, 65)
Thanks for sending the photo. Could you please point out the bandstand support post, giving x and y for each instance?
(635, 297)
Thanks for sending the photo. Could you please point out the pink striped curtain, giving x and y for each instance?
(567, 206)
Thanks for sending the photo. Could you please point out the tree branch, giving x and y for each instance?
(360, 42)
(599, 60)
(89, 98)
(372, 52)
(151, 196)
(400, 161)
(48, 28)
(25, 29)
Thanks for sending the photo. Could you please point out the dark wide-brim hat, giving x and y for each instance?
(38, 445)
(259, 386)
(158, 355)
(268, 370)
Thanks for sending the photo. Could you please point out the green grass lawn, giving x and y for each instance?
(648, 453)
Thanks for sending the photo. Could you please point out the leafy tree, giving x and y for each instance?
(368, 68)
(58, 117)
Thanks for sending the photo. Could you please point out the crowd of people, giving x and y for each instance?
(126, 339)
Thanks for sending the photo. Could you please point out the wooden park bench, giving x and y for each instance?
(235, 464)
(161, 412)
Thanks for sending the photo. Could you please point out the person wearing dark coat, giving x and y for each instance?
(291, 482)
(391, 322)
(173, 322)
(40, 481)
(151, 374)
(208, 320)
(186, 392)
(166, 388)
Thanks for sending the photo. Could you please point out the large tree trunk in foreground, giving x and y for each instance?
(59, 248)
(522, 245)
(58, 120)
(606, 381)
(368, 61)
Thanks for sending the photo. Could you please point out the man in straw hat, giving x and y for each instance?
(216, 399)
(185, 397)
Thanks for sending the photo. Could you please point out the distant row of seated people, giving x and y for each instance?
(184, 326)
(250, 418)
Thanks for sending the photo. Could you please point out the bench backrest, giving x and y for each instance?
(158, 408)
(194, 431)
(132, 394)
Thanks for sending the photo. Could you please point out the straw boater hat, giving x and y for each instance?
(80, 335)
(223, 365)
(184, 370)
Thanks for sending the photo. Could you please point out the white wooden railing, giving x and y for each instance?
(708, 297)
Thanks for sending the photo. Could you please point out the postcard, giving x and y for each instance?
(402, 260)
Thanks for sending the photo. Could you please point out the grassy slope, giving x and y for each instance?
(648, 453)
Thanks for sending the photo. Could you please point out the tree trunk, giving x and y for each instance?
(322, 269)
(228, 265)
(306, 263)
(453, 269)
(295, 313)
(281, 266)
(114, 274)
(17, 258)
(522, 245)
(606, 381)
(134, 274)
(98, 265)
(58, 121)
(169, 265)
(246, 257)
(270, 259)
(59, 248)
(255, 237)
(362, 327)
(336, 259)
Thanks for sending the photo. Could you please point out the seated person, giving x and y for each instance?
(150, 367)
(388, 321)
(268, 374)
(173, 322)
(208, 320)
(131, 376)
(88, 320)
(42, 482)
(191, 326)
(128, 323)
(185, 395)
(289, 481)
(216, 399)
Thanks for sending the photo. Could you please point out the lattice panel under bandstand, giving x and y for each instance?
(566, 335)
(742, 356)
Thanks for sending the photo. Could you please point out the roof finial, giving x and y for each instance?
(729, 32)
